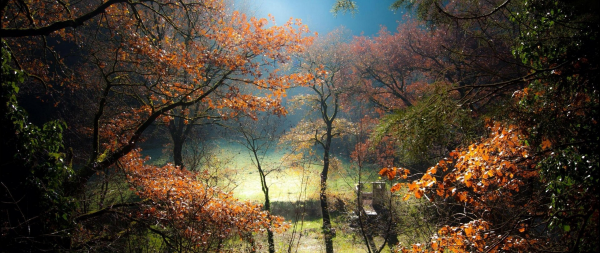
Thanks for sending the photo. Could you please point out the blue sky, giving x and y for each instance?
(316, 14)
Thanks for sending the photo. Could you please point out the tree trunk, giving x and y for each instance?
(270, 235)
(179, 132)
(265, 189)
(328, 233)
(178, 151)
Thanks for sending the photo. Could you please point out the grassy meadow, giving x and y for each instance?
(294, 193)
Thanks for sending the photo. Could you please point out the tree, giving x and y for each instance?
(539, 56)
(258, 138)
(530, 180)
(396, 67)
(557, 108)
(135, 63)
(433, 81)
(429, 130)
(35, 170)
(473, 55)
(191, 216)
(180, 127)
(327, 64)
(494, 185)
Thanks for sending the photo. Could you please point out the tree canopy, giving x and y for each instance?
(482, 112)
(531, 176)
(115, 69)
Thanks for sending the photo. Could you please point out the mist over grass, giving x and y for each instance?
(286, 184)
(293, 191)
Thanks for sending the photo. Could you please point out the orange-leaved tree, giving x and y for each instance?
(551, 203)
(119, 67)
(186, 213)
(487, 195)
(530, 185)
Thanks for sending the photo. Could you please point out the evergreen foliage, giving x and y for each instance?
(35, 171)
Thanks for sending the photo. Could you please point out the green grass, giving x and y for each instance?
(291, 196)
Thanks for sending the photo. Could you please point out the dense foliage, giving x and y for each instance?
(530, 182)
(35, 171)
(113, 71)
(482, 114)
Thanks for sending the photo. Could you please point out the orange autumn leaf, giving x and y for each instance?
(546, 144)
(396, 187)
(418, 193)
(412, 186)
(390, 173)
(462, 196)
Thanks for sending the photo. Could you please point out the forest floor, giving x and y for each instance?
(294, 195)
(294, 192)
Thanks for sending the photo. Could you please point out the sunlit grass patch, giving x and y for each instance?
(294, 194)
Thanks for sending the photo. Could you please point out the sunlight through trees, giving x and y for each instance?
(118, 119)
